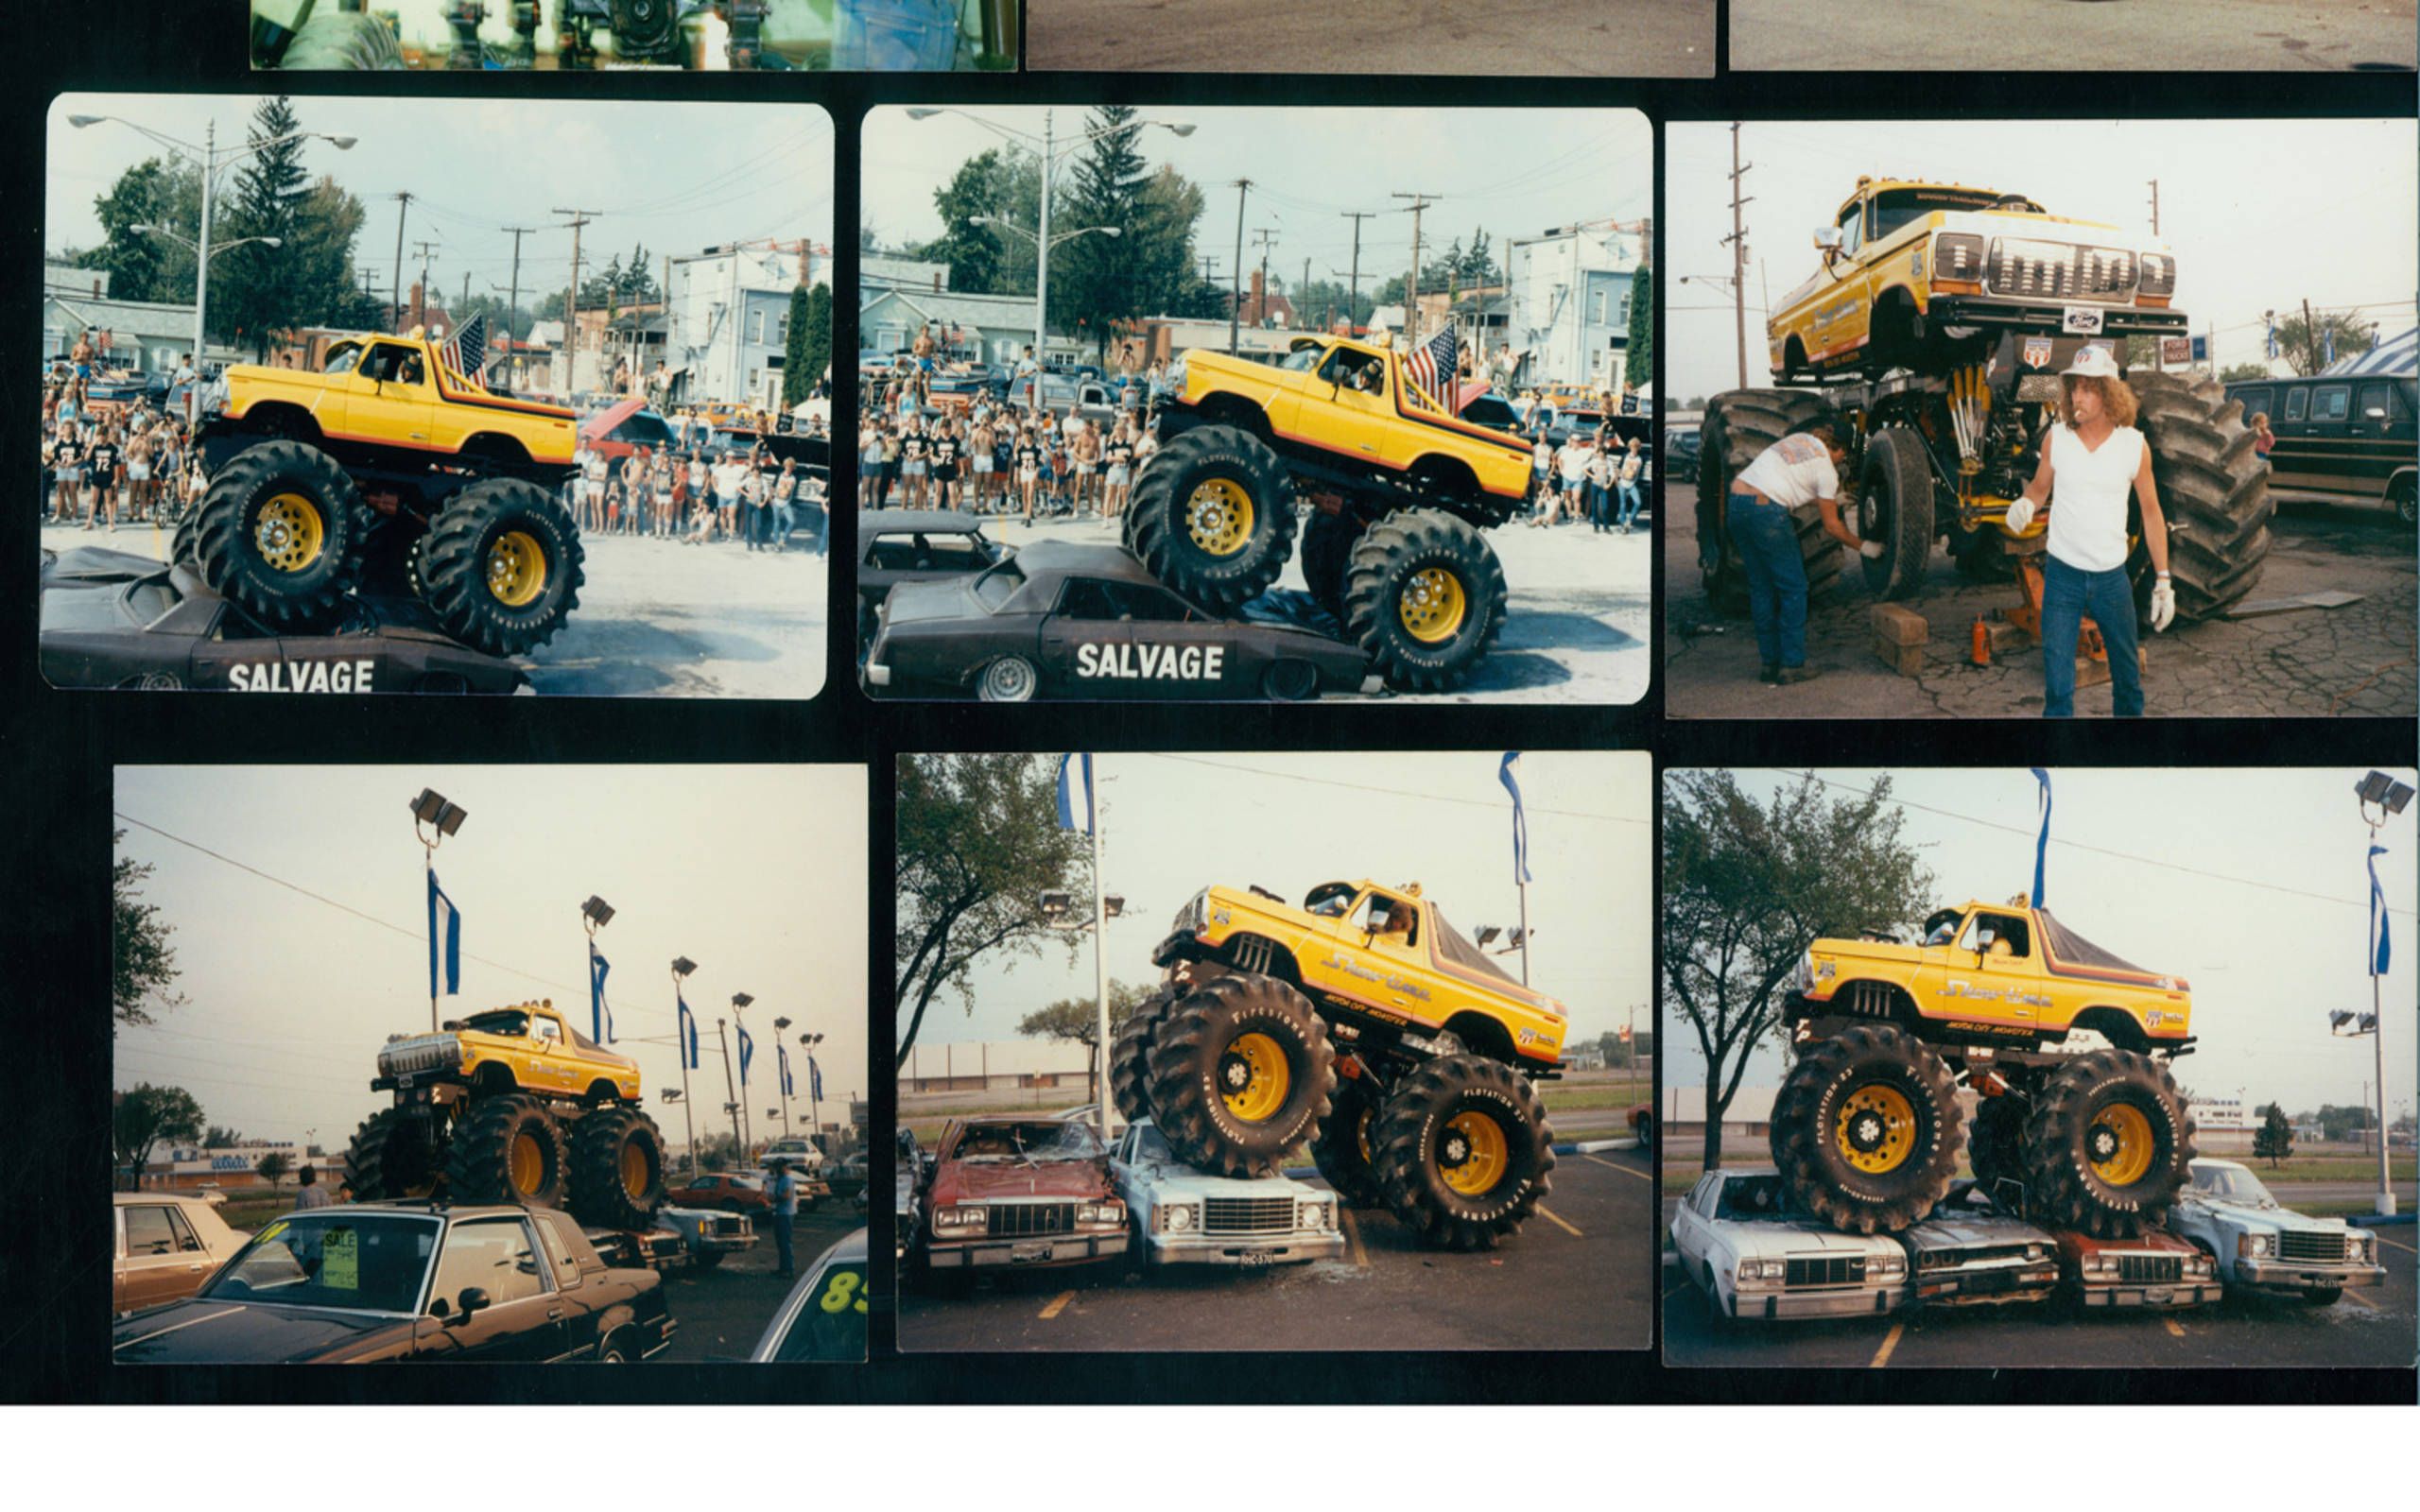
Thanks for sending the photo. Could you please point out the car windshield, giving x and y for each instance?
(1149, 1144)
(1751, 1197)
(999, 585)
(344, 358)
(1046, 1139)
(2232, 1183)
(830, 1323)
(361, 1262)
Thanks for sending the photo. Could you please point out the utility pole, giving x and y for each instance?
(1420, 201)
(571, 299)
(1265, 236)
(1352, 289)
(1739, 242)
(420, 308)
(2154, 207)
(739, 1149)
(1236, 287)
(512, 309)
(395, 305)
(2310, 337)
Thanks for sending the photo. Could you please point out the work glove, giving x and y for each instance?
(2163, 602)
(2020, 515)
(1870, 550)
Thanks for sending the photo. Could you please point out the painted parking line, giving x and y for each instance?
(1676, 1288)
(1057, 1304)
(1547, 1213)
(2360, 1301)
(1353, 1237)
(1890, 1341)
(2175, 1329)
(2405, 1248)
(1616, 1165)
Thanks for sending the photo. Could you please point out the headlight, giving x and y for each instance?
(1805, 976)
(2200, 1266)
(2097, 1266)
(1101, 1212)
(1310, 1215)
(1777, 1269)
(1959, 256)
(2158, 276)
(1176, 1217)
(2253, 1246)
(950, 1220)
(1888, 1265)
(2357, 1247)
(2037, 1252)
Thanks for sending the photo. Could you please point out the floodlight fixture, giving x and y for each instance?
(1112, 905)
(781, 1024)
(434, 809)
(682, 966)
(598, 912)
(1057, 903)
(740, 999)
(1486, 933)
(670, 1095)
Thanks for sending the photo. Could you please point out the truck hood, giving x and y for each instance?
(2252, 1217)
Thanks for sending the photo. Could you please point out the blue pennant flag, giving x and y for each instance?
(2042, 842)
(782, 1056)
(688, 1025)
(814, 1077)
(2328, 346)
(444, 941)
(600, 1017)
(747, 1049)
(2272, 336)
(2378, 914)
(1066, 792)
(1506, 775)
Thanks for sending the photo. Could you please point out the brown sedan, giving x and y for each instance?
(167, 1246)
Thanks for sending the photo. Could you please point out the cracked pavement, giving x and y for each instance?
(2313, 662)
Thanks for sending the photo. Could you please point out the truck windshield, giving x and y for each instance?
(1894, 208)
(1302, 359)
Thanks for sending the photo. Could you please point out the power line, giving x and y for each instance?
(1389, 792)
(2095, 850)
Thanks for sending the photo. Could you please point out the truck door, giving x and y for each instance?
(389, 398)
(1085, 644)
(1358, 418)
(1393, 931)
(2004, 983)
(551, 1056)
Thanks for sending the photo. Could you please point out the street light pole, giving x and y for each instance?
(2390, 797)
(739, 1150)
(201, 275)
(681, 1052)
(1041, 249)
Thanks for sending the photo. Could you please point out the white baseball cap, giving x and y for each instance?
(2092, 362)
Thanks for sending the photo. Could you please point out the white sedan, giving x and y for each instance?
(1180, 1215)
(1754, 1258)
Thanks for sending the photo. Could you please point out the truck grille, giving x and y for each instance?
(1249, 1215)
(1829, 1270)
(2151, 1268)
(2059, 270)
(422, 1053)
(1020, 1220)
(2321, 1244)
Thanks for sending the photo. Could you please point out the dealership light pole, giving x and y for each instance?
(740, 1002)
(209, 159)
(433, 818)
(681, 966)
(814, 1097)
(2385, 795)
(782, 1055)
(731, 1104)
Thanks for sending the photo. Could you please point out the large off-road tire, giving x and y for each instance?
(1328, 539)
(281, 532)
(344, 40)
(182, 551)
(616, 1168)
(1345, 1149)
(1241, 1073)
(1463, 1151)
(390, 1157)
(2213, 490)
(2108, 1145)
(1866, 1130)
(1213, 516)
(1895, 507)
(1995, 1148)
(507, 1149)
(1738, 426)
(502, 566)
(1129, 1056)
(1424, 597)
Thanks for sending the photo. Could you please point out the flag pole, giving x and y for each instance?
(1103, 1102)
(429, 871)
(739, 1150)
(681, 1052)
(1522, 883)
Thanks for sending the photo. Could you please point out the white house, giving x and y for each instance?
(728, 313)
(1569, 321)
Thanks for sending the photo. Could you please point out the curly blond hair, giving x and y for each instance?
(2115, 396)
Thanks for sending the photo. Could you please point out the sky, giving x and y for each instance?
(1291, 821)
(2210, 884)
(2261, 214)
(288, 997)
(1517, 173)
(678, 178)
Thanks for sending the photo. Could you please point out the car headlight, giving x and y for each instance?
(2253, 1246)
(1101, 1212)
(2096, 1264)
(1177, 1217)
(2037, 1252)
(1310, 1215)
(2200, 1266)
(2356, 1247)
(950, 1220)
(1887, 1266)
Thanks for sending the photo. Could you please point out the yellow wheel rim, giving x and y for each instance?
(1472, 1153)
(2121, 1144)
(1361, 1135)
(1219, 516)
(516, 568)
(1433, 605)
(289, 533)
(1876, 1130)
(528, 1164)
(1253, 1077)
(633, 1171)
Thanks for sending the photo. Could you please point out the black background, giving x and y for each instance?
(55, 1041)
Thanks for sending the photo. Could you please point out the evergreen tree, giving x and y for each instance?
(1093, 285)
(1639, 351)
(253, 294)
(2273, 1141)
(809, 350)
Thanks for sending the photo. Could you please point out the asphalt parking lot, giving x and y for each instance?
(1632, 38)
(2357, 660)
(2373, 1328)
(722, 1311)
(656, 618)
(2294, 36)
(1576, 626)
(1576, 1277)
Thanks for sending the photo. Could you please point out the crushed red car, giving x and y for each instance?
(1016, 1192)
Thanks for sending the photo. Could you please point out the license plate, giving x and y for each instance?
(2083, 322)
(1258, 1257)
(1018, 1254)
(2158, 1293)
(404, 1081)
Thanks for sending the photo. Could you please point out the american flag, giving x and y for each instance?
(466, 351)
(1432, 364)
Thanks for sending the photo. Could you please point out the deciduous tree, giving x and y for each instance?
(1079, 1020)
(143, 965)
(2274, 1139)
(142, 1118)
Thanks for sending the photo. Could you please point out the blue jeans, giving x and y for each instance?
(2069, 594)
(1630, 508)
(1601, 513)
(1767, 539)
(780, 1223)
(784, 523)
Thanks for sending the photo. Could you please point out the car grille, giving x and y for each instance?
(1974, 1255)
(2058, 271)
(2150, 1267)
(1019, 1220)
(2320, 1244)
(1830, 1270)
(728, 1225)
(1249, 1215)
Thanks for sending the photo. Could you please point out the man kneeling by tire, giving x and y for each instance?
(1801, 467)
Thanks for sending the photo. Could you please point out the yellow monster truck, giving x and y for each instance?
(1933, 332)
(1400, 488)
(388, 470)
(513, 1105)
(1364, 1022)
(1866, 1127)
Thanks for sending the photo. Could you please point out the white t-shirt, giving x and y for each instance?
(728, 479)
(1573, 463)
(1793, 471)
(1600, 471)
(2088, 493)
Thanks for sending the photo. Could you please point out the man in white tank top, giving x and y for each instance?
(2093, 460)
